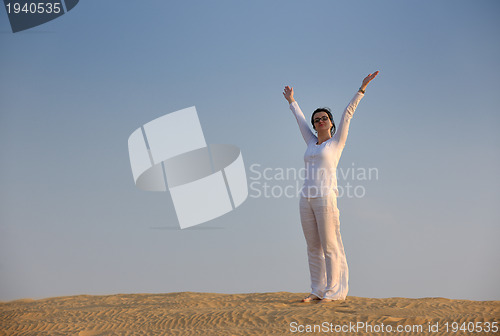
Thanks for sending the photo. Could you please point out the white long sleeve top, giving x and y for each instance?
(321, 160)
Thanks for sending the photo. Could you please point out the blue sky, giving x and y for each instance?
(74, 89)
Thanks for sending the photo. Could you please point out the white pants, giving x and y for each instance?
(325, 251)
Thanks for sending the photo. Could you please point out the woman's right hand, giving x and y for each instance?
(288, 93)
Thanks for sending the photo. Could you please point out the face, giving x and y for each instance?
(320, 124)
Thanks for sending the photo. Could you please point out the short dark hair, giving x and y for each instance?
(329, 113)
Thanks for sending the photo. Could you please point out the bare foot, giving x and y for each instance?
(310, 297)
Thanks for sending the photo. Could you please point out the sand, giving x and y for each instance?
(279, 313)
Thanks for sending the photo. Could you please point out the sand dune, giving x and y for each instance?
(279, 313)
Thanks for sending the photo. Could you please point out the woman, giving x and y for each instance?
(318, 202)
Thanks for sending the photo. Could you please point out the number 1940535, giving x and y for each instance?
(34, 8)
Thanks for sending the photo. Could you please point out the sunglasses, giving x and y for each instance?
(324, 118)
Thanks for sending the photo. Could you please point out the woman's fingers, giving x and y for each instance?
(372, 76)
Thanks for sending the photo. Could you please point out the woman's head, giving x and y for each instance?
(322, 118)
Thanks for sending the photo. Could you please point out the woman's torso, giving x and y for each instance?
(320, 168)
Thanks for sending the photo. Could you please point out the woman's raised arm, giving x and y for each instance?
(307, 134)
(343, 129)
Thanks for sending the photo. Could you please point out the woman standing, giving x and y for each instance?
(318, 202)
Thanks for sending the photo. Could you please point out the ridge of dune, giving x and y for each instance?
(279, 313)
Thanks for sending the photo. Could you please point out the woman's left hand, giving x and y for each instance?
(368, 79)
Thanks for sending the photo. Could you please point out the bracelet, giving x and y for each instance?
(361, 90)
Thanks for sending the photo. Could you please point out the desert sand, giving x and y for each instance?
(281, 313)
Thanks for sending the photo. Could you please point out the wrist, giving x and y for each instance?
(362, 89)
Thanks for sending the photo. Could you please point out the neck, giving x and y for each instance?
(323, 136)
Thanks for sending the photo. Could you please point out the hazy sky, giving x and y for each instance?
(74, 89)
